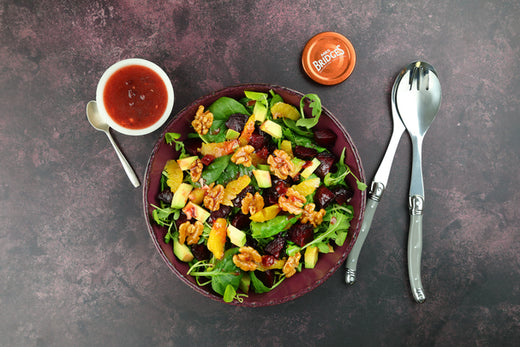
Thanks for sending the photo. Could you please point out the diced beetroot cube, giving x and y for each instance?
(182, 218)
(304, 153)
(278, 189)
(342, 194)
(327, 161)
(323, 197)
(241, 221)
(200, 251)
(251, 242)
(165, 196)
(267, 277)
(275, 247)
(325, 138)
(222, 212)
(192, 145)
(301, 234)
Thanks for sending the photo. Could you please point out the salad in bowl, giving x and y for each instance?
(251, 195)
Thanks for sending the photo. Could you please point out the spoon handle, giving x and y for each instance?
(353, 256)
(415, 249)
(415, 204)
(128, 169)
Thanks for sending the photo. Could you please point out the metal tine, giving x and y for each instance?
(426, 79)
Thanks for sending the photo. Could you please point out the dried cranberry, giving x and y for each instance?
(267, 277)
(241, 221)
(192, 145)
(275, 247)
(237, 202)
(165, 196)
(268, 261)
(207, 159)
(262, 153)
(257, 140)
(301, 234)
(237, 121)
(325, 138)
(342, 194)
(200, 251)
(323, 197)
(327, 161)
(222, 212)
(304, 153)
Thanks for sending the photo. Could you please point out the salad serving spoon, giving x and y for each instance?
(418, 101)
(97, 121)
(377, 187)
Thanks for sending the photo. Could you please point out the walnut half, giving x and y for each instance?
(248, 259)
(290, 265)
(190, 233)
(292, 201)
(311, 216)
(252, 203)
(202, 121)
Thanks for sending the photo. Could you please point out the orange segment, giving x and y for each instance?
(234, 188)
(217, 238)
(265, 214)
(247, 132)
(219, 149)
(307, 187)
(174, 174)
(283, 110)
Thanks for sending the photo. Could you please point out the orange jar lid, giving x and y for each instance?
(328, 58)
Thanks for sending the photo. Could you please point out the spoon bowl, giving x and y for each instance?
(98, 122)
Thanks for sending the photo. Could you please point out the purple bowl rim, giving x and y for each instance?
(245, 303)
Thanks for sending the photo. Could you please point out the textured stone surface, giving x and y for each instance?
(77, 266)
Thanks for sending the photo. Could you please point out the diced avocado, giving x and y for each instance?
(182, 252)
(272, 128)
(232, 134)
(185, 163)
(310, 169)
(263, 178)
(260, 111)
(311, 257)
(298, 164)
(236, 236)
(263, 167)
(245, 282)
(181, 195)
(195, 211)
(286, 146)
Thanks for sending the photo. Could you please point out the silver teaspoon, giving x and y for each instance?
(97, 121)
(377, 187)
(418, 102)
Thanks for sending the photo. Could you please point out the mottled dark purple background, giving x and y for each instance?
(77, 266)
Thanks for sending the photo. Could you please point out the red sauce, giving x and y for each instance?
(135, 97)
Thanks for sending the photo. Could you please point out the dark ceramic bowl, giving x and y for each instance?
(300, 283)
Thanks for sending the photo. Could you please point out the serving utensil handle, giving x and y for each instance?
(370, 210)
(415, 247)
(126, 165)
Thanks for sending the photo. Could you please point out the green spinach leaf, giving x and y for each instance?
(212, 172)
(262, 230)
